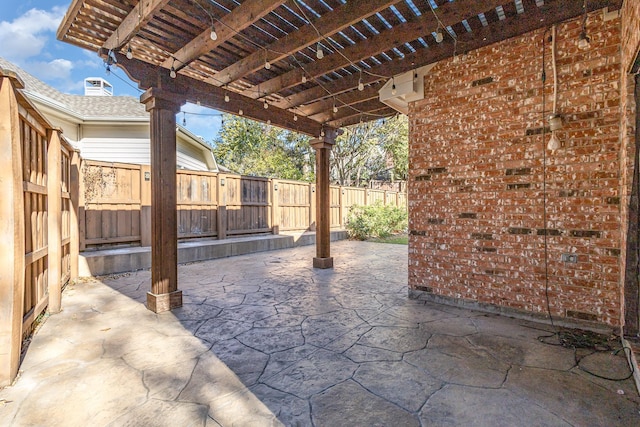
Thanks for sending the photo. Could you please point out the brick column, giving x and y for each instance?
(164, 294)
(323, 147)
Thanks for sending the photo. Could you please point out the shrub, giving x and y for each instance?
(364, 222)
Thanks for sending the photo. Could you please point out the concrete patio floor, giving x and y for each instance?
(264, 339)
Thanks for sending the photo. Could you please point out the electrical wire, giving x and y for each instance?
(544, 179)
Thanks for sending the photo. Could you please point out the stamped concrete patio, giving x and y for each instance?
(265, 340)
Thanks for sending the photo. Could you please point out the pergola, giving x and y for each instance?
(311, 66)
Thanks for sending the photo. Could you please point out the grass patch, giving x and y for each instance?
(396, 239)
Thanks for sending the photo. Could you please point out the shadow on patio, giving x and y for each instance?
(264, 338)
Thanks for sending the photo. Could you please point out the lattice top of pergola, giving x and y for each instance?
(300, 64)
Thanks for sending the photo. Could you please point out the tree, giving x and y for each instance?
(370, 150)
(252, 148)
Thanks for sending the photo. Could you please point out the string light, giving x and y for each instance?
(319, 52)
(184, 119)
(267, 64)
(213, 35)
(360, 84)
(172, 73)
(439, 36)
(266, 104)
(393, 86)
(129, 53)
(240, 112)
(304, 78)
(335, 109)
(295, 117)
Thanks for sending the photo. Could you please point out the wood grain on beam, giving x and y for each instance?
(139, 16)
(235, 21)
(194, 90)
(364, 117)
(348, 111)
(352, 97)
(449, 14)
(331, 22)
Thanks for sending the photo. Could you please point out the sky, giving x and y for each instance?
(28, 39)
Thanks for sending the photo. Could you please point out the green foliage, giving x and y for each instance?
(372, 150)
(253, 148)
(364, 222)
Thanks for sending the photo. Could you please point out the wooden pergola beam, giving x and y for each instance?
(194, 90)
(366, 116)
(330, 23)
(341, 101)
(139, 16)
(347, 111)
(235, 21)
(449, 14)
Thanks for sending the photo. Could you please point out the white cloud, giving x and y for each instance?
(26, 36)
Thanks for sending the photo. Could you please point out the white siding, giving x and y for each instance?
(190, 157)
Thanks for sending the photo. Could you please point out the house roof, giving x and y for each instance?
(84, 107)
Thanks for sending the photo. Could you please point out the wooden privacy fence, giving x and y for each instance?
(115, 199)
(39, 248)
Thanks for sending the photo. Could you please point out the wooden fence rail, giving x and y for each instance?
(115, 205)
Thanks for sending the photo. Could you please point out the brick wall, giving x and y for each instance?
(477, 177)
(630, 46)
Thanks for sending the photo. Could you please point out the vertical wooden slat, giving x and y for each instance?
(54, 225)
(12, 250)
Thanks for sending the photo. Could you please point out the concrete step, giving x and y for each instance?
(121, 260)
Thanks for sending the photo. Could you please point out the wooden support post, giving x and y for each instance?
(74, 220)
(275, 208)
(164, 293)
(145, 206)
(11, 231)
(323, 147)
(54, 221)
(222, 207)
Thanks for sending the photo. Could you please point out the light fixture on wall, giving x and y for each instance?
(584, 40)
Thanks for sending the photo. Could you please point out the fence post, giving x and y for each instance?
(54, 220)
(74, 213)
(11, 230)
(275, 207)
(221, 195)
(312, 207)
(341, 201)
(145, 205)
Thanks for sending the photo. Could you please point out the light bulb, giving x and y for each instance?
(295, 117)
(108, 69)
(226, 98)
(265, 105)
(439, 36)
(184, 122)
(360, 86)
(267, 65)
(213, 35)
(319, 52)
(304, 79)
(321, 133)
(335, 109)
(129, 53)
(269, 122)
(554, 143)
(583, 41)
(172, 73)
(240, 112)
